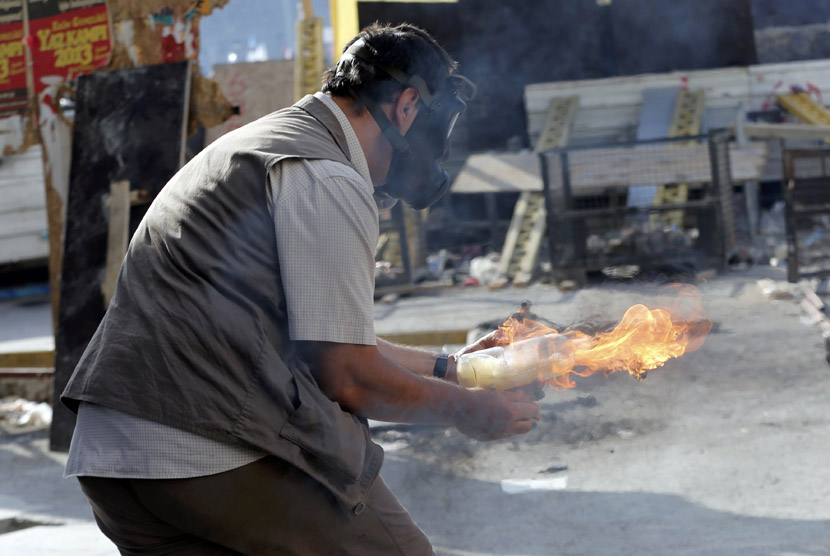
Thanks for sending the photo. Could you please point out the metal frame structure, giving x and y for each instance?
(807, 196)
(567, 228)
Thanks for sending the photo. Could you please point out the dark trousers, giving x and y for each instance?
(266, 507)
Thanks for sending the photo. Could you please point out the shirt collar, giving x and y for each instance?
(355, 150)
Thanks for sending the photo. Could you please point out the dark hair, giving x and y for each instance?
(404, 47)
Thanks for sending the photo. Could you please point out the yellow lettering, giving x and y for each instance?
(57, 41)
(79, 37)
(74, 56)
(11, 36)
(86, 21)
(11, 50)
(49, 40)
(43, 37)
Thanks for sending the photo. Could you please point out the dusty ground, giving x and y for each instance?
(722, 452)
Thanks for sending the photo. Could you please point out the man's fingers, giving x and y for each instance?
(519, 427)
(533, 391)
(537, 390)
(528, 410)
(519, 395)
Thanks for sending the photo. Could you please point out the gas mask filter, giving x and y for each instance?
(415, 175)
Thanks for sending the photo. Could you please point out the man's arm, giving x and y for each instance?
(422, 362)
(367, 383)
(419, 361)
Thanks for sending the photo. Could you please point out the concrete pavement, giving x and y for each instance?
(722, 452)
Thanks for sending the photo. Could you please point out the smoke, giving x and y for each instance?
(508, 45)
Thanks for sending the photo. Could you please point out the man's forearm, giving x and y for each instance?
(418, 360)
(367, 383)
(372, 383)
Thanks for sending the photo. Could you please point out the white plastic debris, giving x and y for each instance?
(394, 446)
(519, 486)
(485, 269)
(25, 413)
(778, 290)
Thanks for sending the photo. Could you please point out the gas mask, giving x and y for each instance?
(415, 174)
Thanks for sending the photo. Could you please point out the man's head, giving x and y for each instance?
(405, 48)
(405, 81)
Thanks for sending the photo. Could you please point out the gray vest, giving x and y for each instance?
(196, 335)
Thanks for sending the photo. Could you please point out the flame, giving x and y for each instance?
(643, 340)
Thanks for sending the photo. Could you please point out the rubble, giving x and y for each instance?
(772, 289)
(485, 269)
(642, 239)
(24, 414)
(808, 294)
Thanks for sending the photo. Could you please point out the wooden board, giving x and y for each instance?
(598, 168)
(118, 209)
(614, 103)
(129, 125)
(768, 80)
(610, 107)
(21, 196)
(23, 223)
(27, 359)
(257, 88)
(24, 248)
(499, 173)
(787, 131)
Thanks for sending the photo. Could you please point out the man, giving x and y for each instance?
(222, 401)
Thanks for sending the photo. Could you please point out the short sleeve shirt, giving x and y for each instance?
(326, 222)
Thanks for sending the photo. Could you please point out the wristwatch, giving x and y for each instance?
(440, 368)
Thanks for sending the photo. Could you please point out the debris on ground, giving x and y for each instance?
(808, 294)
(772, 289)
(24, 414)
(485, 269)
(520, 486)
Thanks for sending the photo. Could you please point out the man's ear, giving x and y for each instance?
(406, 109)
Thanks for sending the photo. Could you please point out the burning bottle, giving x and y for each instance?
(643, 340)
(517, 364)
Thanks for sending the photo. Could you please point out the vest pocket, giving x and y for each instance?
(321, 428)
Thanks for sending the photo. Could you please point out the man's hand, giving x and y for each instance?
(487, 341)
(495, 414)
(534, 390)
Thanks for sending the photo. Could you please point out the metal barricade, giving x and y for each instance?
(595, 221)
(807, 198)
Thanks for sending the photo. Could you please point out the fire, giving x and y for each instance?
(643, 340)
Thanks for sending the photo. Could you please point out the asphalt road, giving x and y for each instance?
(721, 452)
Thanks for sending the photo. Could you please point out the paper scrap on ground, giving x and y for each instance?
(518, 486)
(394, 446)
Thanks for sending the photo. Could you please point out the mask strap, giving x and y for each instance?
(363, 51)
(398, 141)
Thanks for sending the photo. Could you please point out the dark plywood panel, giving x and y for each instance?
(441, 20)
(778, 13)
(655, 36)
(129, 125)
(508, 45)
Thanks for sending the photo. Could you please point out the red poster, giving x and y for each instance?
(68, 38)
(12, 60)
